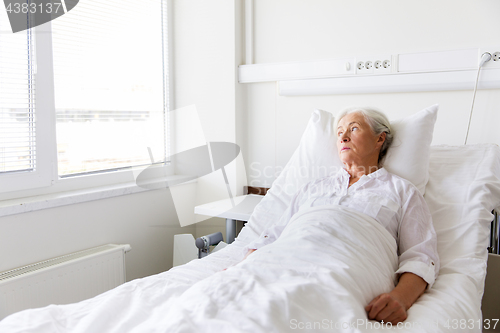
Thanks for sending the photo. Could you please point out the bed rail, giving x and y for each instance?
(494, 241)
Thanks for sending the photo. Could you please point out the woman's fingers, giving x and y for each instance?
(387, 308)
(377, 306)
(396, 317)
(369, 306)
(388, 311)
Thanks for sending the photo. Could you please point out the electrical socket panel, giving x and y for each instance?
(382, 64)
(495, 57)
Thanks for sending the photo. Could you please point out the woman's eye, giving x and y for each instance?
(354, 128)
(339, 133)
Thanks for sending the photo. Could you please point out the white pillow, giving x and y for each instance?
(316, 156)
(408, 156)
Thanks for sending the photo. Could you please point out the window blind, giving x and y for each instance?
(17, 89)
(111, 84)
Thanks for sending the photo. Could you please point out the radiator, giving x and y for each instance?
(67, 279)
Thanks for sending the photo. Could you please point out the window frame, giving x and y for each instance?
(45, 138)
(45, 179)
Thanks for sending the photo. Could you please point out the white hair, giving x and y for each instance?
(379, 123)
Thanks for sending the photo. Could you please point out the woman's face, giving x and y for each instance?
(356, 142)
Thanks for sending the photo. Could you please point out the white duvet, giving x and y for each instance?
(328, 264)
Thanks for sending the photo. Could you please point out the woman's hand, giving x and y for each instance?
(392, 307)
(387, 308)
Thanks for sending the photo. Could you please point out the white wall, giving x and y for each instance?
(146, 220)
(207, 39)
(297, 30)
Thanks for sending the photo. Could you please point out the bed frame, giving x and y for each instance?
(490, 305)
(494, 241)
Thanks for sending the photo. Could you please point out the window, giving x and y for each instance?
(18, 146)
(103, 70)
(109, 82)
(24, 137)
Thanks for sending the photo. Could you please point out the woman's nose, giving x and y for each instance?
(344, 138)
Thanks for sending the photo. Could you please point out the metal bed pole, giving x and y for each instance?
(494, 241)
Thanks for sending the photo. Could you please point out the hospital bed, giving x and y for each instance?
(300, 291)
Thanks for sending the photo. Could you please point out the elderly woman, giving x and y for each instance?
(363, 138)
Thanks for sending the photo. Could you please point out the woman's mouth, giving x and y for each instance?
(344, 148)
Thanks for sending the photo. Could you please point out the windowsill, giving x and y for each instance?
(39, 202)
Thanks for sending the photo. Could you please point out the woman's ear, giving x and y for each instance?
(381, 139)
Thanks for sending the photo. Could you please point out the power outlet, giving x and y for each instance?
(495, 57)
(374, 65)
(386, 66)
(364, 67)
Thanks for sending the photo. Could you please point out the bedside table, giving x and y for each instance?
(242, 210)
